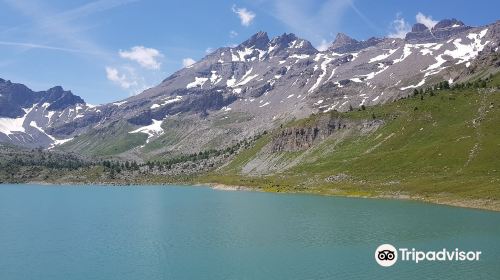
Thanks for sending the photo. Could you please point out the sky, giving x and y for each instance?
(108, 50)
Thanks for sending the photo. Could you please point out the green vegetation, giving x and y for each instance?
(206, 154)
(442, 143)
(109, 141)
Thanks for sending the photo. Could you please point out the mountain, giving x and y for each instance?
(237, 92)
(25, 114)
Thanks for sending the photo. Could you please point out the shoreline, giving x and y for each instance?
(477, 204)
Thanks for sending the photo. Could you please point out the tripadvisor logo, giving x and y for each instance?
(387, 255)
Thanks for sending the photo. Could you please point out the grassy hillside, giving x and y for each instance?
(443, 146)
(109, 141)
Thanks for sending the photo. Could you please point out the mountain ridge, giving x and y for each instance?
(240, 91)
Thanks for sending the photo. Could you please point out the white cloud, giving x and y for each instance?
(120, 79)
(399, 27)
(209, 50)
(186, 62)
(323, 46)
(246, 16)
(233, 33)
(146, 57)
(425, 20)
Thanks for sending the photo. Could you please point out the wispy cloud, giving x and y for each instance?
(233, 34)
(246, 16)
(58, 26)
(122, 80)
(40, 46)
(323, 46)
(146, 57)
(92, 8)
(186, 62)
(425, 20)
(399, 27)
(365, 19)
(309, 20)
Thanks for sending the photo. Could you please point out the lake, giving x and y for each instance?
(174, 232)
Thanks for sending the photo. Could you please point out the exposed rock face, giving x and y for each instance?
(447, 28)
(301, 138)
(14, 97)
(345, 44)
(289, 44)
(419, 33)
(342, 40)
(258, 40)
(241, 91)
(443, 30)
(419, 27)
(447, 23)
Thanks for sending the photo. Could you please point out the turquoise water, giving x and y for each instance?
(198, 233)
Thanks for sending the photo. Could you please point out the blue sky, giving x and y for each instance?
(107, 50)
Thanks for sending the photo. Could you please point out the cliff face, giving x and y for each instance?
(303, 137)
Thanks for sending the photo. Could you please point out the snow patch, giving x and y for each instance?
(382, 56)
(421, 83)
(231, 82)
(168, 100)
(406, 53)
(465, 52)
(119, 103)
(151, 130)
(246, 78)
(198, 82)
(300, 56)
(10, 125)
(214, 78)
(323, 66)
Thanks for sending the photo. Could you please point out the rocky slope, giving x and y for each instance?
(234, 93)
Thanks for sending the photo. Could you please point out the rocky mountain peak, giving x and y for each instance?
(447, 23)
(259, 41)
(292, 44)
(419, 27)
(284, 39)
(443, 30)
(58, 98)
(345, 44)
(55, 90)
(342, 40)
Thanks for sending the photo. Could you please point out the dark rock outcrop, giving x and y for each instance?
(419, 33)
(301, 138)
(443, 30)
(447, 23)
(14, 97)
(447, 28)
(259, 41)
(345, 44)
(281, 45)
